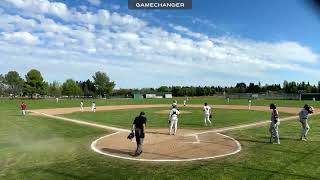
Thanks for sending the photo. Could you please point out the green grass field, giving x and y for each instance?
(51, 103)
(222, 117)
(44, 148)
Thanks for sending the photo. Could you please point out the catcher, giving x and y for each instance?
(138, 129)
(303, 118)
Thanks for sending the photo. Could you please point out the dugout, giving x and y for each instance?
(137, 96)
(310, 96)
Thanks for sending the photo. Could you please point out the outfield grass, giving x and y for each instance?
(51, 103)
(43, 148)
(222, 117)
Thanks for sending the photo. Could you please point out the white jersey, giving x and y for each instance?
(173, 115)
(81, 104)
(93, 105)
(206, 109)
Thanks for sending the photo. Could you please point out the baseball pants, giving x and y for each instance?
(139, 140)
(173, 124)
(274, 131)
(207, 118)
(305, 127)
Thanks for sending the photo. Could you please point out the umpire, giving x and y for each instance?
(138, 128)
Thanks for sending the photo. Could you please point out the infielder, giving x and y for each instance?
(207, 112)
(184, 102)
(274, 125)
(23, 108)
(93, 107)
(173, 120)
(81, 106)
(249, 104)
(303, 118)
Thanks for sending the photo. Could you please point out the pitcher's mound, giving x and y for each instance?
(167, 112)
(163, 147)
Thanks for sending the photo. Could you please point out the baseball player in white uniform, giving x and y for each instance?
(303, 118)
(81, 106)
(184, 102)
(249, 104)
(207, 112)
(173, 120)
(93, 107)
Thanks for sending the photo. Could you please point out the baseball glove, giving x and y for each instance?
(142, 135)
(131, 135)
(310, 110)
(210, 116)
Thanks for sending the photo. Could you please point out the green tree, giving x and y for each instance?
(54, 89)
(2, 85)
(103, 84)
(14, 83)
(34, 83)
(70, 88)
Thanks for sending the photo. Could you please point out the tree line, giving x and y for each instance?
(12, 84)
(287, 87)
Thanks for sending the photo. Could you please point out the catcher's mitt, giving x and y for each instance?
(210, 116)
(142, 135)
(130, 136)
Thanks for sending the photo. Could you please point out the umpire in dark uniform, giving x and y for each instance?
(138, 127)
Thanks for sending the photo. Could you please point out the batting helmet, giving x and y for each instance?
(273, 106)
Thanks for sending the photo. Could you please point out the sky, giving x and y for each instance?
(217, 42)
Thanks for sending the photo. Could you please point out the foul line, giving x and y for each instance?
(82, 122)
(250, 125)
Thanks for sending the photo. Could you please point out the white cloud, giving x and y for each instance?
(122, 44)
(41, 6)
(95, 2)
(20, 37)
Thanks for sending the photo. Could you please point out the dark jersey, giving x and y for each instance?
(139, 121)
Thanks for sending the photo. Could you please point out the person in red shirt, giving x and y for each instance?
(23, 108)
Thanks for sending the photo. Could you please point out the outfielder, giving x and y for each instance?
(274, 125)
(207, 113)
(93, 107)
(23, 108)
(303, 118)
(81, 106)
(173, 119)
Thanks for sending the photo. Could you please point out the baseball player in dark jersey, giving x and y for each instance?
(274, 125)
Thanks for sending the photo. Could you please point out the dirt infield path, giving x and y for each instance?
(187, 145)
(57, 111)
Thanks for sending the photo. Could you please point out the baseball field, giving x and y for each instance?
(57, 141)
